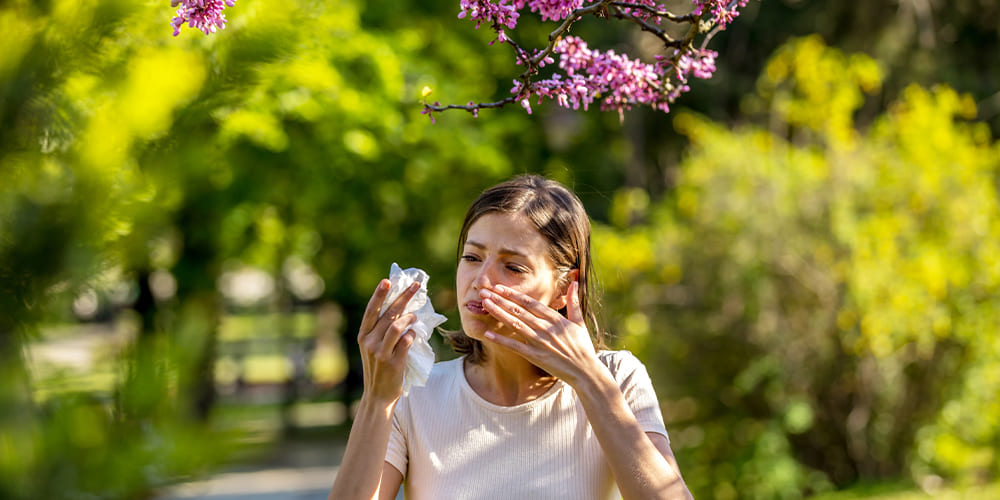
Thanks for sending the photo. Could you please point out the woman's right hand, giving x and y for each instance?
(384, 341)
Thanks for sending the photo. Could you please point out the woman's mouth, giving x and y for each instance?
(475, 307)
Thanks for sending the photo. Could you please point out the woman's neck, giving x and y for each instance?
(507, 379)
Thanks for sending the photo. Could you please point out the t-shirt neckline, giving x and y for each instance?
(479, 400)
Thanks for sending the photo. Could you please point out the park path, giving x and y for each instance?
(301, 470)
(297, 470)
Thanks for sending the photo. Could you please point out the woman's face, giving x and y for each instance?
(503, 249)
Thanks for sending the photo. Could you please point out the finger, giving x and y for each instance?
(397, 307)
(516, 323)
(374, 304)
(392, 335)
(515, 310)
(403, 345)
(573, 311)
(528, 303)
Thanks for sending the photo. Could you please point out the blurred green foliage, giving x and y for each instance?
(291, 137)
(822, 303)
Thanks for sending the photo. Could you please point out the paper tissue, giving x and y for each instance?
(420, 359)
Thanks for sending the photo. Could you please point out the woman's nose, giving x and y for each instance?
(485, 278)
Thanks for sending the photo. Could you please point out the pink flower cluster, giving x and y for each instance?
(644, 14)
(504, 13)
(697, 62)
(586, 75)
(723, 11)
(618, 80)
(499, 15)
(621, 81)
(205, 15)
(554, 10)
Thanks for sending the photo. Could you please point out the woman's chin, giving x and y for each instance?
(475, 327)
(480, 333)
(476, 330)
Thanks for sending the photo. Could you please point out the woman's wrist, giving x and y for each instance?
(376, 406)
(592, 379)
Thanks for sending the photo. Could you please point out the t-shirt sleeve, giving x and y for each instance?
(638, 390)
(395, 453)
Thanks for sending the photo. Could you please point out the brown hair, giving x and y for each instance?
(560, 218)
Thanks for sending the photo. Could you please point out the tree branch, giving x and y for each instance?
(687, 18)
(656, 31)
(471, 106)
(575, 16)
(617, 80)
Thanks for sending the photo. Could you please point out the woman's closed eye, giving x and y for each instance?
(516, 269)
(470, 258)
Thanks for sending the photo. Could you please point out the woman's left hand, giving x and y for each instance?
(558, 344)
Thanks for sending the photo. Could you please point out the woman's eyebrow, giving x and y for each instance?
(503, 251)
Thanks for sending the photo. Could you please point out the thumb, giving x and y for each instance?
(573, 310)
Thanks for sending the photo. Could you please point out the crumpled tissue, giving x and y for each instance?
(420, 359)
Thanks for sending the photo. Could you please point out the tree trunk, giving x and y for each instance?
(144, 392)
(199, 307)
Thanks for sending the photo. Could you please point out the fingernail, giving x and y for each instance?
(501, 288)
(414, 286)
(490, 335)
(384, 284)
(484, 293)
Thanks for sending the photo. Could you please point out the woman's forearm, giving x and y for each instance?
(640, 470)
(360, 470)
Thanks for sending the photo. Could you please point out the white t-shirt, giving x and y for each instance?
(450, 443)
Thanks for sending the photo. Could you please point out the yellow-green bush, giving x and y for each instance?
(832, 306)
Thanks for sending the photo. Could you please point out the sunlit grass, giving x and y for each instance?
(97, 383)
(259, 326)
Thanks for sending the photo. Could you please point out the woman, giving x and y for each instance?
(533, 409)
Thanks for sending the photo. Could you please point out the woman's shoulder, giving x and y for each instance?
(623, 365)
(447, 368)
(618, 360)
(443, 374)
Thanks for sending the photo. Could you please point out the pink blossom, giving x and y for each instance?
(644, 14)
(554, 10)
(698, 62)
(526, 104)
(586, 75)
(723, 11)
(205, 15)
(618, 79)
(503, 13)
(429, 112)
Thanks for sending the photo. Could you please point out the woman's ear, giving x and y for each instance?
(559, 303)
(571, 276)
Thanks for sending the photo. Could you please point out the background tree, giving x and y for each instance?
(150, 156)
(837, 288)
(914, 42)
